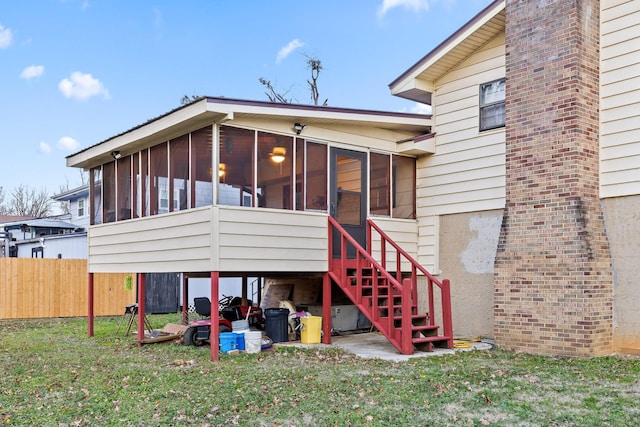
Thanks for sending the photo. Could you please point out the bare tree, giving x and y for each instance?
(315, 65)
(3, 209)
(27, 201)
(187, 99)
(274, 95)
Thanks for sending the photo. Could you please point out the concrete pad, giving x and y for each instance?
(375, 346)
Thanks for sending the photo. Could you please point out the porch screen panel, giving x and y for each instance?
(135, 187)
(379, 179)
(109, 192)
(404, 187)
(275, 171)
(179, 171)
(142, 182)
(316, 174)
(95, 195)
(159, 179)
(202, 167)
(349, 191)
(124, 188)
(235, 177)
(299, 191)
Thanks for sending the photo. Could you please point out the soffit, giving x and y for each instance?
(418, 80)
(206, 111)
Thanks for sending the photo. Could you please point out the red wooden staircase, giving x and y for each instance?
(390, 300)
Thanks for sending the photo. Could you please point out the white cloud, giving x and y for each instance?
(6, 37)
(82, 86)
(32, 71)
(419, 108)
(44, 147)
(286, 51)
(66, 143)
(414, 5)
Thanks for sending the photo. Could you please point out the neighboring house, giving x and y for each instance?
(44, 238)
(233, 188)
(61, 236)
(530, 202)
(78, 203)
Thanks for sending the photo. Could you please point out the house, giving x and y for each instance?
(530, 201)
(78, 202)
(43, 238)
(523, 188)
(318, 198)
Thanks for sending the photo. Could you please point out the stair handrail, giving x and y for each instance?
(444, 285)
(405, 342)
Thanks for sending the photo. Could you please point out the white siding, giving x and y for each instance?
(467, 171)
(262, 240)
(175, 242)
(620, 98)
(403, 232)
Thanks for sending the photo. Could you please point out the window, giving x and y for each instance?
(80, 208)
(492, 106)
(379, 176)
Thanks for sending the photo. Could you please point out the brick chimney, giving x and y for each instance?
(553, 276)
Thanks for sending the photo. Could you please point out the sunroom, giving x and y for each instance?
(223, 187)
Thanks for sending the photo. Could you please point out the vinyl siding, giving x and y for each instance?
(404, 232)
(262, 240)
(225, 239)
(467, 171)
(175, 242)
(620, 99)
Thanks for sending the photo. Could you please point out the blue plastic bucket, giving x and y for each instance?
(240, 340)
(228, 341)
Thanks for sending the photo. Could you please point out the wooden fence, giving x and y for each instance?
(51, 287)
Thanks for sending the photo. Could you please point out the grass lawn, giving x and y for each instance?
(52, 374)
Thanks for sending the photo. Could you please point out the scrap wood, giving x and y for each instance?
(169, 332)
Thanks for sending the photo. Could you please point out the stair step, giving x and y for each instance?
(435, 338)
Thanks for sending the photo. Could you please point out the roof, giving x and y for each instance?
(417, 83)
(11, 218)
(39, 223)
(72, 194)
(206, 110)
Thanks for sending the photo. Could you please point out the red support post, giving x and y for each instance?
(141, 307)
(214, 338)
(185, 299)
(90, 305)
(326, 308)
(447, 322)
(407, 343)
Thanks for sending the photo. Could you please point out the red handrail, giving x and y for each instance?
(445, 285)
(405, 343)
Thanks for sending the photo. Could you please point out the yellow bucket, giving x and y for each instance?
(310, 329)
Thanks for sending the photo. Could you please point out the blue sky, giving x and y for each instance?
(76, 72)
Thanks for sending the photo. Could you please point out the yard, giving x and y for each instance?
(51, 373)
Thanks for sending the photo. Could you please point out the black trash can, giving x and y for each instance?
(277, 324)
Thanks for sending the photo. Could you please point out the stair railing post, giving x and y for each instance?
(447, 323)
(431, 302)
(407, 343)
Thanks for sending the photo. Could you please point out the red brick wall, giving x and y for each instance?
(553, 281)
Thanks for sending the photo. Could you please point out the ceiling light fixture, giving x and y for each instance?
(278, 154)
(116, 154)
